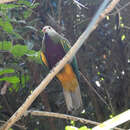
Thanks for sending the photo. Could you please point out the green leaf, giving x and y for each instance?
(123, 37)
(31, 53)
(121, 18)
(122, 25)
(6, 25)
(13, 79)
(5, 45)
(10, 89)
(24, 2)
(1, 107)
(15, 87)
(111, 116)
(83, 128)
(24, 79)
(72, 123)
(10, 128)
(6, 71)
(19, 50)
(102, 79)
(107, 17)
(27, 13)
(18, 36)
(8, 6)
(71, 128)
(98, 73)
(34, 56)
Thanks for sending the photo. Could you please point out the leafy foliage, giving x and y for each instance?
(4, 71)
(6, 25)
(13, 79)
(19, 50)
(5, 45)
(15, 53)
(75, 128)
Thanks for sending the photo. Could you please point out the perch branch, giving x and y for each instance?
(100, 15)
(63, 116)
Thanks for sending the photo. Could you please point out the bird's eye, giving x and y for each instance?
(49, 27)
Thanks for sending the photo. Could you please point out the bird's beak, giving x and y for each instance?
(43, 30)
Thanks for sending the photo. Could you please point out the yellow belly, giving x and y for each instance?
(68, 78)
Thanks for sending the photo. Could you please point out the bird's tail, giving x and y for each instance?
(71, 88)
(73, 100)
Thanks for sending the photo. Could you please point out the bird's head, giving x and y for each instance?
(49, 30)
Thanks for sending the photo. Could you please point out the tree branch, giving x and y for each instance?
(63, 116)
(6, 1)
(100, 15)
(115, 121)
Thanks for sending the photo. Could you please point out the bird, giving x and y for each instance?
(54, 48)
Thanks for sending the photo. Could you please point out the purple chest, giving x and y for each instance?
(54, 52)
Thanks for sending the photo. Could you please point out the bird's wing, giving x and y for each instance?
(43, 57)
(43, 44)
(66, 45)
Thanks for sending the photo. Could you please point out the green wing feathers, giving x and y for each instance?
(66, 45)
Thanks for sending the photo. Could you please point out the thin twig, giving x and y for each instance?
(79, 5)
(63, 116)
(33, 2)
(100, 97)
(124, 7)
(127, 27)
